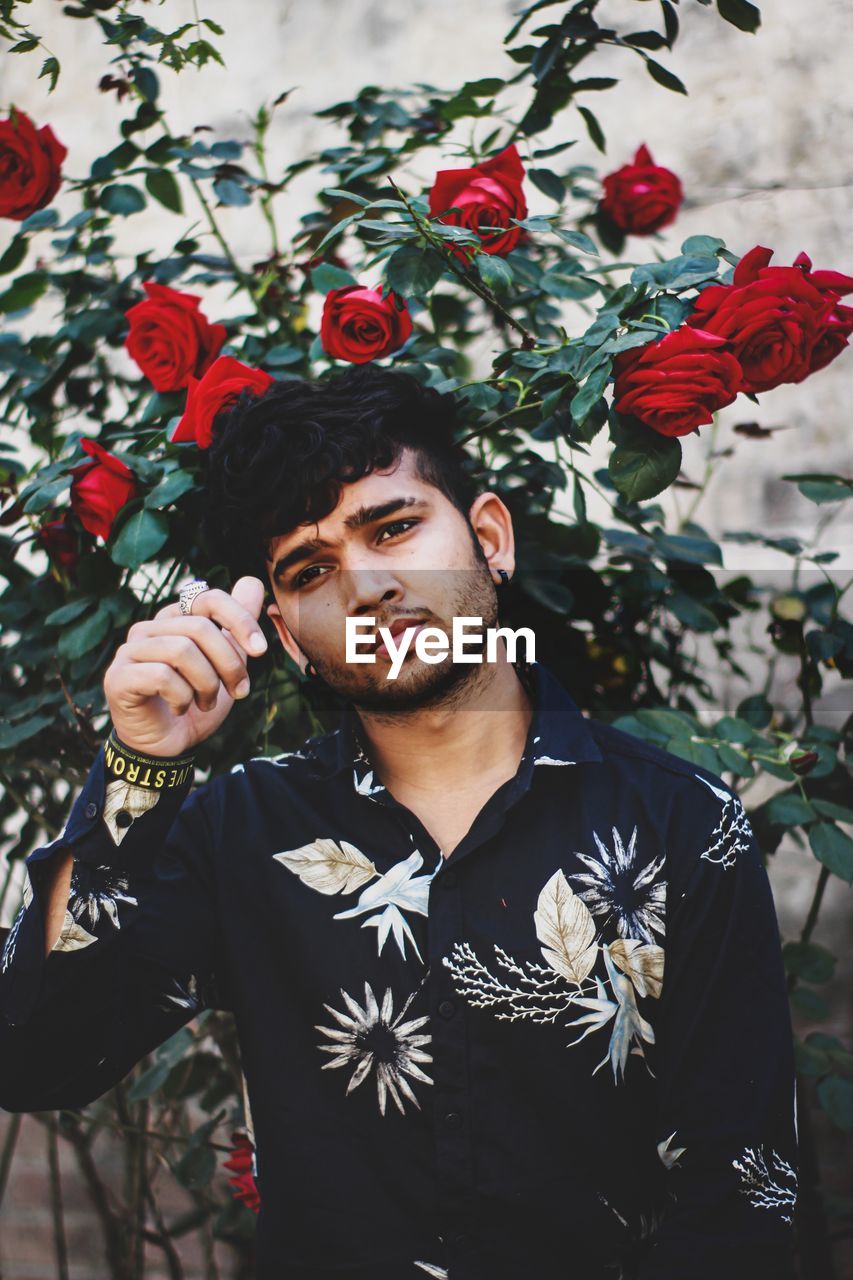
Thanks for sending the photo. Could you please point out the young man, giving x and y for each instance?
(507, 982)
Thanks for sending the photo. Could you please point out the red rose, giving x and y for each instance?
(60, 543)
(772, 316)
(170, 339)
(675, 385)
(208, 396)
(30, 166)
(359, 324)
(242, 1165)
(838, 325)
(488, 195)
(641, 197)
(100, 489)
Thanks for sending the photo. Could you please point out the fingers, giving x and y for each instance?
(237, 613)
(194, 647)
(145, 680)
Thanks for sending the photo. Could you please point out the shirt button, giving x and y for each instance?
(123, 818)
(91, 810)
(453, 1120)
(447, 1008)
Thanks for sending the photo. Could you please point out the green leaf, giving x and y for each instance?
(664, 77)
(494, 272)
(789, 809)
(75, 641)
(14, 255)
(689, 550)
(590, 393)
(46, 495)
(737, 761)
(549, 183)
(122, 198)
(734, 730)
(170, 488)
(594, 129)
(696, 752)
(740, 13)
(835, 1095)
(643, 463)
(833, 848)
(327, 276)
(50, 67)
(809, 961)
(140, 537)
(23, 292)
(818, 487)
(755, 710)
(163, 186)
(149, 1081)
(839, 812)
(196, 1168)
(68, 612)
(229, 192)
(12, 736)
(578, 241)
(481, 396)
(667, 722)
(702, 246)
(411, 271)
(810, 1004)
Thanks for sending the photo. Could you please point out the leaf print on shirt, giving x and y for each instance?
(670, 1156)
(372, 1039)
(614, 887)
(732, 834)
(537, 993)
(439, 1273)
(766, 1185)
(88, 908)
(332, 867)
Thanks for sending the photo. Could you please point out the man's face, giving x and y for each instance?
(395, 549)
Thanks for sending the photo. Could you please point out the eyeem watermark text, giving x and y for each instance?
(432, 644)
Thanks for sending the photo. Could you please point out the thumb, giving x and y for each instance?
(249, 592)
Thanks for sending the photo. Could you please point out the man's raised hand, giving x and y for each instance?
(175, 678)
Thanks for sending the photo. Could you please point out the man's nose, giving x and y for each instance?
(367, 588)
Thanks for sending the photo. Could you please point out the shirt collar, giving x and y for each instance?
(558, 735)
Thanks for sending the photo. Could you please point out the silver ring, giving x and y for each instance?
(189, 593)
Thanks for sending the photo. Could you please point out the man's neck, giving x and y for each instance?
(478, 734)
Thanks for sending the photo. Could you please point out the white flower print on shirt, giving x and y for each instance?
(614, 886)
(332, 867)
(732, 834)
(371, 1039)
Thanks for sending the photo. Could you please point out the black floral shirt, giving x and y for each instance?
(563, 1051)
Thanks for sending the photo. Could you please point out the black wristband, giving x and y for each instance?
(154, 773)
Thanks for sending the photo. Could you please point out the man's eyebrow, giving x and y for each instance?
(359, 518)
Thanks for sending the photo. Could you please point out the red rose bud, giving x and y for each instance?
(677, 384)
(30, 166)
(773, 317)
(641, 197)
(803, 762)
(100, 489)
(223, 383)
(170, 339)
(486, 195)
(60, 543)
(242, 1165)
(359, 325)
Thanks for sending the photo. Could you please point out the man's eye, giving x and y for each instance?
(395, 527)
(301, 580)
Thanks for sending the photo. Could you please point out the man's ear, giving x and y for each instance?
(285, 635)
(492, 525)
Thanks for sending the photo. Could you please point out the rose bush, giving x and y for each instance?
(548, 346)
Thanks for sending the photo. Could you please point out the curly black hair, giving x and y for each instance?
(279, 459)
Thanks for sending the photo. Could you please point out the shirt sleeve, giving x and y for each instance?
(726, 1123)
(137, 953)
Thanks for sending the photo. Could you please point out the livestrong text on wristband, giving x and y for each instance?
(154, 773)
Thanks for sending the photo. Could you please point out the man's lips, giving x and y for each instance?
(396, 628)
